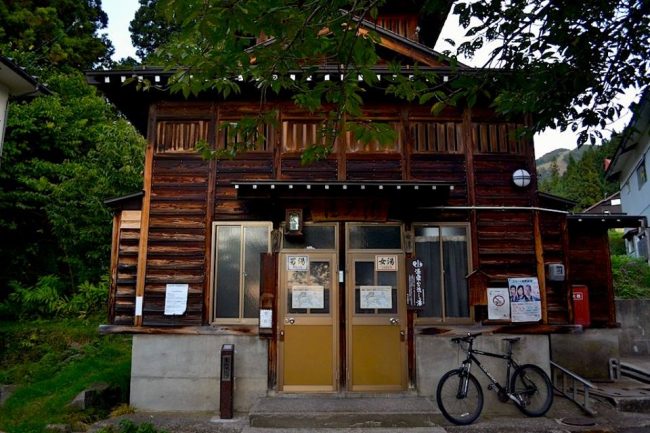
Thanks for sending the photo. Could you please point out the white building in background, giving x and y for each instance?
(14, 82)
(631, 165)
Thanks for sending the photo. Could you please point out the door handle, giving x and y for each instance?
(394, 321)
(290, 320)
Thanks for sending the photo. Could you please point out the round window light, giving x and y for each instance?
(521, 178)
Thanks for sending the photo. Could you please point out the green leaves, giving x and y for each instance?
(63, 155)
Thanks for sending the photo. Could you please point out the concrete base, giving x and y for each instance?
(436, 355)
(634, 317)
(182, 372)
(586, 354)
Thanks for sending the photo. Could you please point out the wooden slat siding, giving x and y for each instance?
(291, 168)
(506, 245)
(557, 296)
(539, 259)
(123, 285)
(498, 137)
(435, 136)
(357, 146)
(374, 167)
(494, 186)
(251, 166)
(180, 135)
(590, 265)
(176, 251)
(442, 168)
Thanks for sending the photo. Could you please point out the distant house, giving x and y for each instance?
(609, 206)
(630, 166)
(14, 82)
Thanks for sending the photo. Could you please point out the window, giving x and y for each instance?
(237, 250)
(315, 237)
(375, 237)
(245, 135)
(443, 249)
(641, 174)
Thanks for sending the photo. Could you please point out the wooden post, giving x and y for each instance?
(144, 223)
(541, 272)
(209, 216)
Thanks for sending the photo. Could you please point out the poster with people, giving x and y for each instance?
(525, 301)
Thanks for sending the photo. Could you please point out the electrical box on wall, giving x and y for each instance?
(555, 271)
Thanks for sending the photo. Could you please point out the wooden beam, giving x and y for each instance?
(146, 205)
(209, 216)
(541, 271)
(115, 248)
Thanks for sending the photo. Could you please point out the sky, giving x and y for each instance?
(121, 12)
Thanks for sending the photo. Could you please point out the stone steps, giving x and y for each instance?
(340, 411)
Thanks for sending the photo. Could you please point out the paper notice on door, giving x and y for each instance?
(176, 299)
(379, 297)
(307, 297)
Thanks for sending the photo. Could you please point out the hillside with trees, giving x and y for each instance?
(578, 175)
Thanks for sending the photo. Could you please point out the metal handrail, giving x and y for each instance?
(568, 387)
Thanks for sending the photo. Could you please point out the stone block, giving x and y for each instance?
(586, 354)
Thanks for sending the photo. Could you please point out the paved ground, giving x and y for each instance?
(562, 418)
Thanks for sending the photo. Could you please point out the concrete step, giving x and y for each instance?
(344, 430)
(340, 411)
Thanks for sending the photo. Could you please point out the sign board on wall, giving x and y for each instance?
(375, 297)
(416, 278)
(525, 301)
(498, 303)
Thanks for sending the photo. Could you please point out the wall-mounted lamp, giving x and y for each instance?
(521, 178)
(294, 222)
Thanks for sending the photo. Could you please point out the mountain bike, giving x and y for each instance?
(460, 396)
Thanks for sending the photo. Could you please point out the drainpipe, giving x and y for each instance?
(4, 104)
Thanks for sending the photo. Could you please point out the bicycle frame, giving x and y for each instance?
(467, 363)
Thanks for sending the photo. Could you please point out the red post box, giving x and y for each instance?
(580, 295)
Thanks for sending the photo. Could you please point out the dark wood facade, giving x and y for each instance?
(463, 157)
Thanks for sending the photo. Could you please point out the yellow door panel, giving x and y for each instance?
(377, 357)
(308, 355)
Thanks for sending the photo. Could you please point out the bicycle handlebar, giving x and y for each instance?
(467, 339)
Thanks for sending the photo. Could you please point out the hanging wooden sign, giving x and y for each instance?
(416, 278)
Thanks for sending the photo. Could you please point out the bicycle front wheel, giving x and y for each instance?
(533, 388)
(460, 397)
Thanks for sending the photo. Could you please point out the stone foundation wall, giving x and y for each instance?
(182, 372)
(634, 317)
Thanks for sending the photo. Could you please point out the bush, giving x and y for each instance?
(631, 277)
(127, 426)
(616, 243)
(46, 299)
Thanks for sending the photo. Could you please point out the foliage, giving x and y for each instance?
(51, 362)
(616, 243)
(63, 155)
(60, 33)
(149, 29)
(631, 277)
(584, 180)
(127, 426)
(46, 299)
(590, 51)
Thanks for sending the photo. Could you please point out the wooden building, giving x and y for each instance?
(306, 268)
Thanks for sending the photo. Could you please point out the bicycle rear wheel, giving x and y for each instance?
(459, 407)
(532, 385)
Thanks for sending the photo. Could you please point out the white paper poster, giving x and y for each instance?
(176, 299)
(498, 303)
(266, 318)
(303, 297)
(371, 297)
(525, 301)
